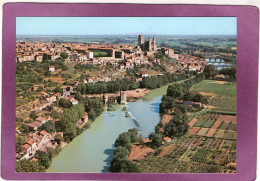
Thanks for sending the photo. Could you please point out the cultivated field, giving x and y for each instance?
(221, 94)
(214, 125)
(208, 147)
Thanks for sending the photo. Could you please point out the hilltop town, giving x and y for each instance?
(62, 87)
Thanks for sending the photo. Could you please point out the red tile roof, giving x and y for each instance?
(43, 133)
(40, 119)
(167, 139)
(34, 124)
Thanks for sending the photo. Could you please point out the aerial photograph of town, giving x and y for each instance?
(126, 94)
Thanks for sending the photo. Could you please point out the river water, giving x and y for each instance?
(93, 150)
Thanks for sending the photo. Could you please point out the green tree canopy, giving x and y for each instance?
(28, 166)
(175, 91)
(64, 55)
(48, 127)
(43, 159)
(210, 71)
(65, 103)
(177, 126)
(156, 139)
(58, 90)
(124, 140)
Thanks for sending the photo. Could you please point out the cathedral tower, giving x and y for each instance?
(141, 40)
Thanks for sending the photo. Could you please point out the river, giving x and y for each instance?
(92, 151)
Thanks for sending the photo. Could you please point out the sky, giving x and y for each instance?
(126, 25)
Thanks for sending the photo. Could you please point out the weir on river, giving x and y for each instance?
(93, 150)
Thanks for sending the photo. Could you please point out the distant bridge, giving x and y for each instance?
(220, 63)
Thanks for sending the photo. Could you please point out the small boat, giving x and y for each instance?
(127, 114)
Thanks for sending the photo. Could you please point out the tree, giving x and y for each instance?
(67, 121)
(123, 166)
(181, 108)
(231, 72)
(68, 127)
(121, 152)
(58, 138)
(64, 55)
(43, 158)
(24, 128)
(48, 127)
(28, 166)
(166, 104)
(65, 103)
(19, 141)
(200, 98)
(197, 98)
(156, 139)
(175, 91)
(48, 108)
(120, 162)
(33, 115)
(78, 96)
(188, 96)
(124, 140)
(54, 114)
(210, 71)
(133, 133)
(58, 90)
(177, 126)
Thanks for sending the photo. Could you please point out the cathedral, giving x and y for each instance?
(150, 45)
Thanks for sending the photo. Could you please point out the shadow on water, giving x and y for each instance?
(155, 107)
(110, 154)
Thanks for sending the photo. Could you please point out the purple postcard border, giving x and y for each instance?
(247, 68)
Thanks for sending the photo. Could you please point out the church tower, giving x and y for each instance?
(141, 41)
(152, 45)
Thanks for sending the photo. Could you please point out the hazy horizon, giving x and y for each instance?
(130, 35)
(62, 26)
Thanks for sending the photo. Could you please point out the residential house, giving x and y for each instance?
(144, 74)
(28, 149)
(37, 86)
(51, 68)
(167, 139)
(72, 100)
(82, 121)
(37, 123)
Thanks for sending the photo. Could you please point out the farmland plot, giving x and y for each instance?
(203, 131)
(200, 122)
(222, 96)
(220, 134)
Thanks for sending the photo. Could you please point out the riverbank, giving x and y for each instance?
(132, 95)
(210, 133)
(96, 145)
(93, 150)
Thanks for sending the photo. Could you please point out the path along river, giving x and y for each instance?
(92, 151)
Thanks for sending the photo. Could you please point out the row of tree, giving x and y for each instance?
(195, 97)
(231, 72)
(126, 84)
